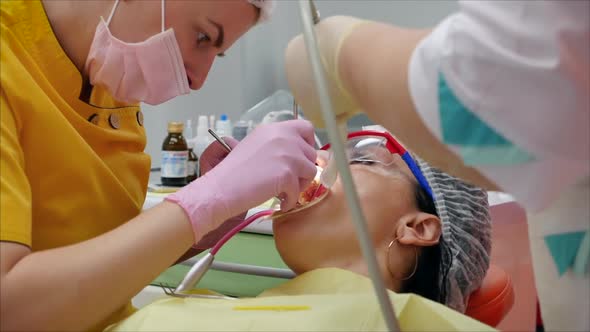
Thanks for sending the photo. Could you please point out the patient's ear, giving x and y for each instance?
(418, 228)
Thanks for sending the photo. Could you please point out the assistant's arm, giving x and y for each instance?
(373, 64)
(366, 64)
(503, 84)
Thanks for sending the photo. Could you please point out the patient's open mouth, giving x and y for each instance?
(313, 194)
(313, 191)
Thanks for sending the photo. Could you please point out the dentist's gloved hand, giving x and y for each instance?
(214, 154)
(331, 34)
(210, 158)
(274, 160)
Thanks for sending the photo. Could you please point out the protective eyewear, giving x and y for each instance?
(368, 146)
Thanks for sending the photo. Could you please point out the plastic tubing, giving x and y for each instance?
(238, 228)
(313, 52)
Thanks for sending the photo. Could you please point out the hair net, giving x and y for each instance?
(266, 7)
(466, 231)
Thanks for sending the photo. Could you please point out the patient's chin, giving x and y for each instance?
(294, 226)
(293, 230)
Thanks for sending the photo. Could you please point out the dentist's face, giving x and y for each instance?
(204, 29)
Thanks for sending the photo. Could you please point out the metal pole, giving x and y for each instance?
(337, 146)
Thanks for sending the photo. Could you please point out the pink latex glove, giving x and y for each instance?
(212, 156)
(277, 159)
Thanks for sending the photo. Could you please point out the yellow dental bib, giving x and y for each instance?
(320, 300)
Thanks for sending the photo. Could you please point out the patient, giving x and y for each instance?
(438, 249)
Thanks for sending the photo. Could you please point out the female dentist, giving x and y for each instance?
(498, 94)
(74, 246)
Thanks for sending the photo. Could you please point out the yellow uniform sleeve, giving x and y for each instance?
(15, 195)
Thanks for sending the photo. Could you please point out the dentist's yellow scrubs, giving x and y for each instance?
(69, 171)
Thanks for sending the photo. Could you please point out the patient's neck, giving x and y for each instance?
(356, 264)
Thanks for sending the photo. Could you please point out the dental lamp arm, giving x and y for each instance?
(367, 69)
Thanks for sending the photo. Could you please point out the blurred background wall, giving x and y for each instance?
(254, 68)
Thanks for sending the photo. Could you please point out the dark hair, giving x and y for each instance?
(430, 278)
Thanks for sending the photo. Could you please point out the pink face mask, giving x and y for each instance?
(151, 71)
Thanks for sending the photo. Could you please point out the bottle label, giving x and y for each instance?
(192, 168)
(174, 164)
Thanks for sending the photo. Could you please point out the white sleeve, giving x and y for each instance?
(519, 70)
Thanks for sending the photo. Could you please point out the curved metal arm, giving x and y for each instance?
(337, 146)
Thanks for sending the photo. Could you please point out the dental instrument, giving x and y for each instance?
(218, 139)
(309, 16)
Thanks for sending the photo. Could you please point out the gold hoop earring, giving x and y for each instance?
(389, 268)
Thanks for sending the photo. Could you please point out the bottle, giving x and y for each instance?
(240, 130)
(211, 121)
(251, 126)
(174, 156)
(223, 126)
(189, 131)
(203, 139)
(193, 164)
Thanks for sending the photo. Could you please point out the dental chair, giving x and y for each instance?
(493, 300)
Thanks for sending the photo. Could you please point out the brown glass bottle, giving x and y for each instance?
(193, 165)
(174, 156)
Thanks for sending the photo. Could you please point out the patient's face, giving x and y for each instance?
(325, 231)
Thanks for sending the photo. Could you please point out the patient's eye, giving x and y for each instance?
(362, 162)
